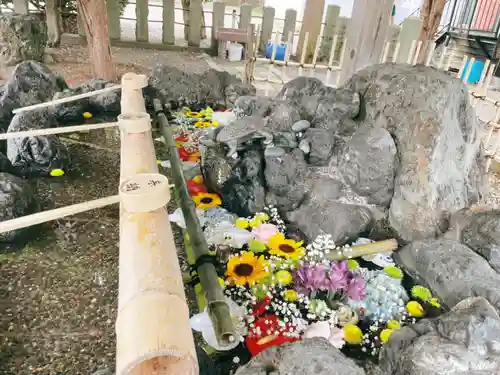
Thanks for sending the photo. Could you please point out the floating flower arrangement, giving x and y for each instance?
(281, 289)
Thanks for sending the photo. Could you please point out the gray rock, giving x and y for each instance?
(465, 340)
(437, 137)
(300, 126)
(305, 146)
(336, 107)
(285, 139)
(300, 87)
(274, 152)
(480, 231)
(321, 142)
(242, 129)
(108, 102)
(22, 37)
(282, 118)
(179, 88)
(103, 372)
(16, 200)
(285, 177)
(368, 164)
(306, 357)
(343, 221)
(452, 271)
(30, 83)
(36, 155)
(308, 106)
(216, 168)
(253, 105)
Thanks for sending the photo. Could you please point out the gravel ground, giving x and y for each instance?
(58, 291)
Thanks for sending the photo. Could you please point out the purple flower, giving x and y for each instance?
(355, 288)
(338, 276)
(309, 278)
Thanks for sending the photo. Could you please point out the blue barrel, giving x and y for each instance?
(475, 72)
(280, 51)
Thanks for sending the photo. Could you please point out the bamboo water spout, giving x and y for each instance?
(132, 100)
(153, 335)
(217, 306)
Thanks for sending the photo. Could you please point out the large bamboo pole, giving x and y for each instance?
(137, 148)
(217, 306)
(153, 335)
(132, 100)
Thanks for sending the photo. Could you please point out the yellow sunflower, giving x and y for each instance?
(246, 269)
(205, 201)
(282, 247)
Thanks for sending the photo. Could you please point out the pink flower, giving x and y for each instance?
(356, 288)
(264, 232)
(333, 334)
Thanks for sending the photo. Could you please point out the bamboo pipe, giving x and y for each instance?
(217, 306)
(58, 213)
(132, 100)
(362, 250)
(137, 148)
(66, 100)
(66, 129)
(153, 334)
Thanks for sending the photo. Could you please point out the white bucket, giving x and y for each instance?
(235, 52)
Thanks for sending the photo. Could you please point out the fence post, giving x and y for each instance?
(21, 7)
(330, 29)
(196, 13)
(217, 21)
(266, 29)
(410, 30)
(245, 16)
(290, 25)
(113, 19)
(392, 39)
(366, 35)
(168, 24)
(311, 25)
(141, 23)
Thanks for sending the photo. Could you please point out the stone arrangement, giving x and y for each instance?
(291, 180)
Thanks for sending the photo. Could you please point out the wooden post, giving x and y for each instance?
(195, 22)
(219, 8)
(331, 28)
(311, 25)
(95, 19)
(113, 19)
(168, 26)
(21, 7)
(290, 25)
(245, 16)
(141, 22)
(366, 35)
(409, 33)
(54, 23)
(430, 13)
(266, 29)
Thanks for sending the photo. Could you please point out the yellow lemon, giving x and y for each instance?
(87, 115)
(256, 246)
(255, 222)
(284, 277)
(352, 264)
(415, 309)
(290, 295)
(393, 324)
(57, 172)
(263, 216)
(353, 334)
(393, 272)
(385, 335)
(242, 223)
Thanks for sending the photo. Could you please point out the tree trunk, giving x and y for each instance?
(186, 4)
(95, 19)
(431, 13)
(54, 22)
